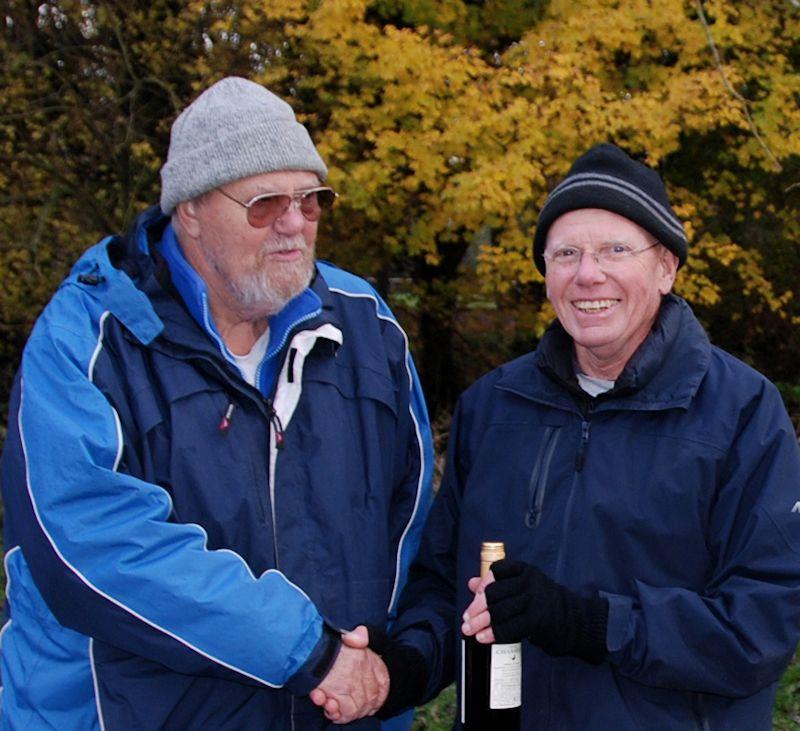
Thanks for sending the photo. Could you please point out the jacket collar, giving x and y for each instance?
(151, 288)
(664, 372)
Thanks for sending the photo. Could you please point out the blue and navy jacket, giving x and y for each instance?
(179, 544)
(676, 496)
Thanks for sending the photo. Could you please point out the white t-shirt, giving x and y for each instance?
(594, 386)
(249, 362)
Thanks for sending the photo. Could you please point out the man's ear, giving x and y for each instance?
(186, 213)
(668, 270)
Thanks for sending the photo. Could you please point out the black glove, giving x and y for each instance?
(408, 672)
(526, 604)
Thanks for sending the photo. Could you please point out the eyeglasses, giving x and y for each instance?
(568, 258)
(266, 208)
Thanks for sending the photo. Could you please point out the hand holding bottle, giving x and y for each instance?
(521, 602)
(491, 687)
(476, 620)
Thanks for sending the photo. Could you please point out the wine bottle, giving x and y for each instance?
(491, 675)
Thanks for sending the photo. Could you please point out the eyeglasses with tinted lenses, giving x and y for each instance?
(607, 257)
(266, 208)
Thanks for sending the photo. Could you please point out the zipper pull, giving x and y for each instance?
(93, 278)
(532, 517)
(225, 421)
(275, 422)
(290, 366)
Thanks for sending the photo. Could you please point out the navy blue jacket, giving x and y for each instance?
(676, 496)
(169, 569)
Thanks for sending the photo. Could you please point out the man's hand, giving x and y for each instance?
(517, 601)
(357, 684)
(476, 619)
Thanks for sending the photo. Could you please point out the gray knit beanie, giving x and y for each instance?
(234, 129)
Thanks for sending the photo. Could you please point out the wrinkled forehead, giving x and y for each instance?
(595, 227)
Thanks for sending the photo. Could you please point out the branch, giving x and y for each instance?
(736, 95)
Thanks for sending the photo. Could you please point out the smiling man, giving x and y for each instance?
(642, 480)
(606, 278)
(218, 457)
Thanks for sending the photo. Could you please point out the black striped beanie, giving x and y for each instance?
(606, 177)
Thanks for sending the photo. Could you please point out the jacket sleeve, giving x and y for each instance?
(103, 550)
(737, 635)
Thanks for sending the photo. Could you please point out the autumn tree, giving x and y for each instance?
(444, 125)
(446, 151)
(83, 120)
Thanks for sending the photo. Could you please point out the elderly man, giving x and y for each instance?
(218, 456)
(643, 482)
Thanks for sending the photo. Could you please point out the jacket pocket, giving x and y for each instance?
(537, 485)
(353, 382)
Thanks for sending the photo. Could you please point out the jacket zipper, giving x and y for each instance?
(276, 425)
(580, 457)
(276, 429)
(537, 485)
(210, 363)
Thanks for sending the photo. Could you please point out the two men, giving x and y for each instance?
(218, 455)
(642, 480)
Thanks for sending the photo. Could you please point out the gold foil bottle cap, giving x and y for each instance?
(491, 551)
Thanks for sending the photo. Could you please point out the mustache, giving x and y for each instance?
(285, 243)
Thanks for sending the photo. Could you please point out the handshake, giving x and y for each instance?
(375, 675)
(371, 675)
(357, 684)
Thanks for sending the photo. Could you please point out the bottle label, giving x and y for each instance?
(506, 673)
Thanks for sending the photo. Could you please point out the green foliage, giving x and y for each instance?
(787, 703)
(437, 715)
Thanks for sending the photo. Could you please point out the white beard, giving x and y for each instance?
(264, 288)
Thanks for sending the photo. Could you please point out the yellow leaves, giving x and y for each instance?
(142, 153)
(697, 288)
(285, 10)
(508, 260)
(338, 28)
(720, 251)
(438, 147)
(603, 29)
